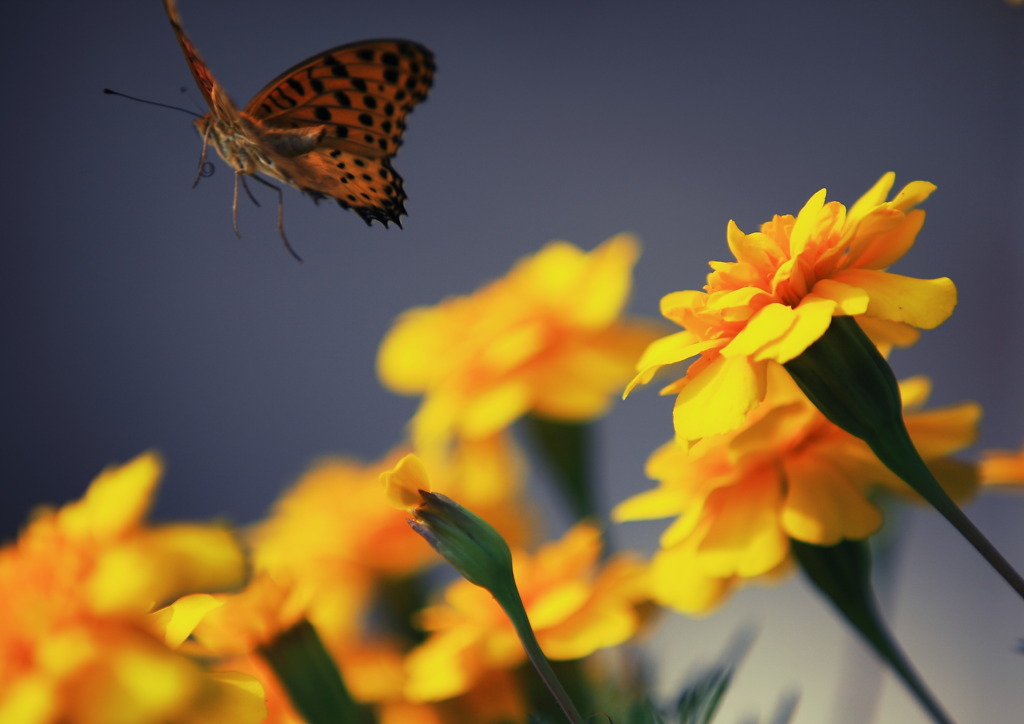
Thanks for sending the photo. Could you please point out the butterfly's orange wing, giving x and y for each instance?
(220, 103)
(360, 94)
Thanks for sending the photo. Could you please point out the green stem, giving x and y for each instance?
(913, 470)
(850, 382)
(512, 603)
(842, 574)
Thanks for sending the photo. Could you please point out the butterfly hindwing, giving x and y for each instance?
(362, 92)
(368, 186)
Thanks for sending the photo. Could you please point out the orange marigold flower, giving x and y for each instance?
(547, 338)
(78, 640)
(575, 606)
(779, 296)
(787, 473)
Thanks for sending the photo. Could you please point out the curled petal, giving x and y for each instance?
(666, 351)
(402, 485)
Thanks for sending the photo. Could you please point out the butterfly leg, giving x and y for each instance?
(280, 214)
(202, 156)
(234, 207)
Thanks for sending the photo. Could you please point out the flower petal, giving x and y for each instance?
(718, 399)
(923, 303)
(402, 484)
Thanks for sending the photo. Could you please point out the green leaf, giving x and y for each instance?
(699, 702)
(565, 447)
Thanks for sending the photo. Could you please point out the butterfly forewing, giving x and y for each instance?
(362, 93)
(220, 103)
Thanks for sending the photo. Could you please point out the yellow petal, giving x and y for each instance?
(408, 354)
(233, 698)
(744, 538)
(780, 333)
(403, 483)
(648, 505)
(495, 408)
(823, 506)
(848, 300)
(873, 197)
(164, 563)
(944, 431)
(602, 292)
(665, 351)
(678, 582)
(718, 399)
(913, 194)
(922, 303)
(177, 621)
(806, 223)
(116, 501)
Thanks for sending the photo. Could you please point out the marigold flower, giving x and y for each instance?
(787, 473)
(78, 639)
(547, 338)
(1002, 467)
(779, 296)
(333, 538)
(575, 607)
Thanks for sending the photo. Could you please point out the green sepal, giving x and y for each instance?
(481, 555)
(849, 381)
(842, 573)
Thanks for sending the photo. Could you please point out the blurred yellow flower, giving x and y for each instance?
(575, 605)
(779, 296)
(335, 540)
(787, 473)
(78, 640)
(1002, 467)
(547, 338)
(232, 627)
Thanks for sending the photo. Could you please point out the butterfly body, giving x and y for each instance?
(328, 126)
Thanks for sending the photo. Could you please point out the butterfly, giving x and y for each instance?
(328, 126)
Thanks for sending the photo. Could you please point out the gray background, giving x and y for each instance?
(132, 317)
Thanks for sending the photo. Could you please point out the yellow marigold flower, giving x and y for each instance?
(78, 641)
(547, 338)
(334, 538)
(375, 673)
(779, 296)
(787, 473)
(575, 607)
(1002, 467)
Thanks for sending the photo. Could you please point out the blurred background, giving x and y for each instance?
(134, 319)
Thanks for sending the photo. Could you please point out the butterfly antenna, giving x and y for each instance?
(280, 217)
(184, 92)
(110, 92)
